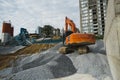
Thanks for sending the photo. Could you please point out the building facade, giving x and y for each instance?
(92, 16)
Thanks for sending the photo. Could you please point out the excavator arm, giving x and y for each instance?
(70, 23)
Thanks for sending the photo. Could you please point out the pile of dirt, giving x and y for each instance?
(34, 48)
(7, 59)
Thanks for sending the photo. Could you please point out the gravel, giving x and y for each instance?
(94, 64)
(98, 47)
(5, 72)
(51, 64)
(59, 66)
(9, 49)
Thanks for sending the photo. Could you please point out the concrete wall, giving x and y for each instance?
(5, 37)
(112, 37)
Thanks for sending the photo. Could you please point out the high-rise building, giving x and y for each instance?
(92, 16)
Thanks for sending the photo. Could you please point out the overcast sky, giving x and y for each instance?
(32, 13)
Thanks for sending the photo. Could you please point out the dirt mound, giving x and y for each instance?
(5, 60)
(34, 48)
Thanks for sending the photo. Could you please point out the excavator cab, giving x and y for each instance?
(67, 33)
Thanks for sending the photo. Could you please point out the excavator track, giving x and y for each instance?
(83, 49)
(65, 50)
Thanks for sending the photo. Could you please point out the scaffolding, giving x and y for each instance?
(92, 16)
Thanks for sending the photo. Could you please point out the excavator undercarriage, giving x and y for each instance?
(81, 49)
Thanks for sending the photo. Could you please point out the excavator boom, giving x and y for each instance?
(70, 23)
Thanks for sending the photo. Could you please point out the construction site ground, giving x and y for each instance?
(49, 64)
(6, 57)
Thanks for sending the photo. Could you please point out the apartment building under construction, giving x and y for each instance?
(92, 16)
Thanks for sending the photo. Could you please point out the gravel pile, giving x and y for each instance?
(98, 47)
(94, 64)
(5, 72)
(46, 65)
(50, 64)
(9, 49)
(59, 66)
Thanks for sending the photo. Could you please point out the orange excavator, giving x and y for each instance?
(73, 40)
